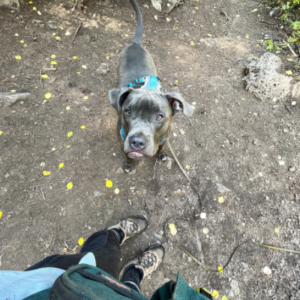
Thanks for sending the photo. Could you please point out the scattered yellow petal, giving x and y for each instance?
(176, 81)
(70, 185)
(0, 214)
(16, 34)
(243, 99)
(192, 44)
(68, 108)
(18, 57)
(25, 45)
(70, 134)
(80, 241)
(205, 230)
(290, 59)
(53, 63)
(276, 230)
(61, 165)
(294, 138)
(220, 269)
(82, 127)
(13, 91)
(173, 229)
(187, 167)
(208, 34)
(42, 164)
(238, 37)
(53, 149)
(196, 7)
(247, 36)
(74, 250)
(224, 298)
(215, 294)
(30, 2)
(117, 191)
(48, 96)
(214, 24)
(84, 67)
(65, 250)
(107, 57)
(34, 8)
(39, 12)
(109, 183)
(53, 33)
(1, 132)
(221, 199)
(13, 76)
(74, 57)
(22, 41)
(255, 114)
(46, 173)
(289, 72)
(258, 15)
(68, 146)
(85, 97)
(78, 73)
(53, 56)
(57, 37)
(177, 57)
(44, 76)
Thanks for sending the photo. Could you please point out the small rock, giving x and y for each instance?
(85, 109)
(169, 163)
(182, 131)
(51, 25)
(292, 169)
(235, 287)
(221, 188)
(95, 56)
(293, 103)
(96, 194)
(102, 70)
(8, 99)
(245, 265)
(6, 175)
(120, 171)
(285, 130)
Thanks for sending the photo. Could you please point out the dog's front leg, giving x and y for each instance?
(128, 167)
(161, 153)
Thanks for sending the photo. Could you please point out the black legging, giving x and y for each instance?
(106, 248)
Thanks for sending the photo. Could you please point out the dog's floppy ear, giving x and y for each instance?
(179, 104)
(117, 96)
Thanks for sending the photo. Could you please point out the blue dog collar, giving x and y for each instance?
(147, 82)
(124, 135)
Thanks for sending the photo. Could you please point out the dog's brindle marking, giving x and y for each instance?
(145, 113)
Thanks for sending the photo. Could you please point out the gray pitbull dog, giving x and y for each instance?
(145, 112)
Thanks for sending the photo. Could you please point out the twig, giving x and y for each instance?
(154, 169)
(49, 69)
(225, 14)
(42, 193)
(41, 79)
(292, 50)
(76, 32)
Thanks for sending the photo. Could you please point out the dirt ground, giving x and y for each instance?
(233, 139)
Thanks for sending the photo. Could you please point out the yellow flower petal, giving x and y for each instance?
(70, 185)
(48, 96)
(289, 72)
(255, 114)
(206, 230)
(208, 34)
(68, 108)
(176, 81)
(68, 146)
(220, 269)
(34, 8)
(85, 97)
(53, 63)
(18, 57)
(221, 199)
(78, 73)
(173, 229)
(107, 57)
(215, 294)
(57, 37)
(46, 173)
(0, 214)
(247, 36)
(13, 91)
(192, 44)
(53, 149)
(44, 76)
(61, 165)
(53, 56)
(187, 167)
(109, 183)
(1, 132)
(117, 191)
(80, 241)
(16, 34)
(30, 2)
(84, 67)
(74, 57)
(39, 12)
(82, 127)
(196, 7)
(224, 298)
(22, 42)
(243, 99)
(289, 59)
(276, 230)
(70, 134)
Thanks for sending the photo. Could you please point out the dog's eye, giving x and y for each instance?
(159, 117)
(127, 112)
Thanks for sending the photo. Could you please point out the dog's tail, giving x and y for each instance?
(139, 26)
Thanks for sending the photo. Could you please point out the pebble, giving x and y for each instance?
(285, 130)
(294, 103)
(281, 162)
(292, 169)
(96, 194)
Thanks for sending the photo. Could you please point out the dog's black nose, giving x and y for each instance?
(137, 142)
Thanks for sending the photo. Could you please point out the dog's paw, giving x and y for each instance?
(127, 168)
(163, 156)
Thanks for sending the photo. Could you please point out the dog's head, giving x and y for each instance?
(145, 117)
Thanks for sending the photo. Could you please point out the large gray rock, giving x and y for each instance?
(14, 4)
(8, 99)
(264, 81)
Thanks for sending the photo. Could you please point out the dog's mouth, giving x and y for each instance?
(135, 155)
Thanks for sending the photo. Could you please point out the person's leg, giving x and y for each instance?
(105, 245)
(134, 272)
